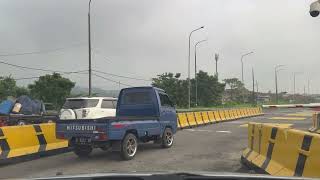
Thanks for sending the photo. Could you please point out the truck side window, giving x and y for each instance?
(107, 104)
(165, 101)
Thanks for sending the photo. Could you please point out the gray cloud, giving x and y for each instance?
(143, 38)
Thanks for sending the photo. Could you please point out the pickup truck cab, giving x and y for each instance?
(143, 114)
(88, 108)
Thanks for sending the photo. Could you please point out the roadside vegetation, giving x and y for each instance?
(212, 93)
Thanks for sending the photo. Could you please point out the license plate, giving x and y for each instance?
(83, 140)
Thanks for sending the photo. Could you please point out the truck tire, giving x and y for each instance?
(167, 138)
(129, 146)
(82, 151)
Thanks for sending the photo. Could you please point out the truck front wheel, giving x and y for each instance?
(82, 151)
(129, 146)
(167, 138)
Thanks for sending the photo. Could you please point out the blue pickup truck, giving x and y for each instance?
(143, 114)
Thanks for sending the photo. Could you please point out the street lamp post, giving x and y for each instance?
(189, 82)
(276, 70)
(242, 64)
(294, 84)
(89, 41)
(253, 95)
(242, 70)
(195, 69)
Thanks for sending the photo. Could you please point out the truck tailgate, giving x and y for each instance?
(95, 130)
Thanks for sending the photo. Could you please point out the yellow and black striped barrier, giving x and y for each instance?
(281, 151)
(17, 141)
(193, 119)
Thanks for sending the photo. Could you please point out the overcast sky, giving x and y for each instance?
(143, 38)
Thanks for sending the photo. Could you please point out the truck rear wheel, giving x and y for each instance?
(129, 146)
(82, 151)
(167, 138)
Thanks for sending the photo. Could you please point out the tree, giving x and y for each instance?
(173, 86)
(8, 87)
(236, 89)
(22, 91)
(209, 89)
(52, 89)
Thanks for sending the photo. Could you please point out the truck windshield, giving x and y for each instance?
(136, 98)
(80, 103)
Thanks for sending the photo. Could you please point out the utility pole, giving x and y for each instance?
(308, 86)
(89, 41)
(189, 82)
(253, 95)
(216, 57)
(294, 86)
(257, 87)
(276, 70)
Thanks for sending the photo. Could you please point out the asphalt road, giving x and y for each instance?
(214, 148)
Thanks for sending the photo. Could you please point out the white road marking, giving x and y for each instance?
(200, 130)
(224, 131)
(203, 130)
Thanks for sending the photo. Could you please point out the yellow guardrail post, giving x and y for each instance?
(217, 116)
(183, 120)
(222, 115)
(198, 118)
(211, 117)
(191, 119)
(227, 115)
(205, 117)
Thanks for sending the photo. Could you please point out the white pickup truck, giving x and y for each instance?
(88, 108)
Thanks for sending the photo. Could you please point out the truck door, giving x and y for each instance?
(168, 116)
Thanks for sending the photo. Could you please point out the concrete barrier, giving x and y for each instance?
(205, 117)
(183, 121)
(217, 116)
(227, 115)
(198, 117)
(211, 117)
(282, 151)
(222, 115)
(17, 141)
(191, 119)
